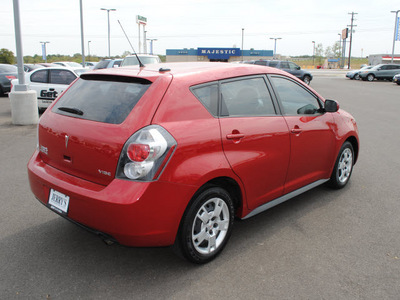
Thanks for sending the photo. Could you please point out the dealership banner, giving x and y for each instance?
(44, 51)
(397, 29)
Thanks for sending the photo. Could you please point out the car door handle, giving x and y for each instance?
(235, 136)
(296, 130)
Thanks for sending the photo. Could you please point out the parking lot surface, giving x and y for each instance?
(323, 244)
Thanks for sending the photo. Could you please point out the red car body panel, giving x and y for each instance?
(266, 162)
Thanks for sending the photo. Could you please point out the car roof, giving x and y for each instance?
(193, 71)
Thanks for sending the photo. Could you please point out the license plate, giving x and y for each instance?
(58, 201)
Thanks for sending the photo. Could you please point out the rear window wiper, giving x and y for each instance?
(71, 110)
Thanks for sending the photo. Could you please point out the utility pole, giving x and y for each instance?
(351, 34)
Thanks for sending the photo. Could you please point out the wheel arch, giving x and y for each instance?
(354, 143)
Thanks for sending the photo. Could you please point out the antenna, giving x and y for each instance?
(134, 52)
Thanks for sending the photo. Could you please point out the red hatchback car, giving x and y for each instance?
(170, 156)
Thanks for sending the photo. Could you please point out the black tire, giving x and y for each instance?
(398, 83)
(213, 228)
(343, 167)
(356, 76)
(307, 79)
(370, 77)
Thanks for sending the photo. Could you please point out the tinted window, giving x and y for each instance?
(385, 67)
(295, 99)
(208, 95)
(261, 63)
(61, 77)
(102, 64)
(284, 65)
(117, 63)
(101, 100)
(247, 97)
(273, 63)
(39, 76)
(293, 66)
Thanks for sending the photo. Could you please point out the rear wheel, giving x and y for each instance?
(370, 77)
(343, 166)
(206, 226)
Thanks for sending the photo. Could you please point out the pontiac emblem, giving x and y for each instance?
(66, 141)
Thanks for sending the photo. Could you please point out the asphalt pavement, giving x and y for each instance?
(324, 244)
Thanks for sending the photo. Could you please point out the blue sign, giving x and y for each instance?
(218, 53)
(397, 29)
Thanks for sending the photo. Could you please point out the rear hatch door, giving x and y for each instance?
(85, 130)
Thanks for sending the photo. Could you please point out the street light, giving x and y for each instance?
(44, 53)
(340, 49)
(313, 53)
(88, 47)
(275, 44)
(394, 34)
(108, 18)
(242, 41)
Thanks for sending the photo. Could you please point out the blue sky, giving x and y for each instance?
(200, 23)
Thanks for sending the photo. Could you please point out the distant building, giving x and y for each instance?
(216, 54)
(376, 59)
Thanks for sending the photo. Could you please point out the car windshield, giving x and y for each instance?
(132, 60)
(366, 68)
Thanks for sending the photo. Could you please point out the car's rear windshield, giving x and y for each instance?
(102, 98)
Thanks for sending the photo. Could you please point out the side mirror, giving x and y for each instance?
(298, 68)
(331, 106)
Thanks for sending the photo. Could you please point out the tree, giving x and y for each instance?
(6, 56)
(319, 52)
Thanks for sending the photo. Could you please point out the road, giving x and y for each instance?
(323, 244)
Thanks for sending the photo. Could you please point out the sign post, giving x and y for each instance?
(140, 20)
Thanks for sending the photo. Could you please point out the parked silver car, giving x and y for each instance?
(381, 71)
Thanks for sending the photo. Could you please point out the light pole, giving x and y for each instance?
(44, 53)
(242, 41)
(340, 48)
(88, 49)
(151, 45)
(275, 44)
(395, 27)
(313, 54)
(108, 18)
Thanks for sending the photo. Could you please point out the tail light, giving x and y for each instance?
(11, 77)
(145, 154)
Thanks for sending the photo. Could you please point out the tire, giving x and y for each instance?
(356, 76)
(398, 83)
(343, 167)
(206, 226)
(370, 77)
(307, 79)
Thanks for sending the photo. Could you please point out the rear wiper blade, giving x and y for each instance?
(71, 110)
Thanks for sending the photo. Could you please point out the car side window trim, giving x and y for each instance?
(279, 101)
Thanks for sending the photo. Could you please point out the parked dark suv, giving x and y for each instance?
(287, 66)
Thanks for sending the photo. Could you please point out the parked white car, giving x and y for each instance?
(49, 83)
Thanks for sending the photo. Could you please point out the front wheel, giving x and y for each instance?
(206, 226)
(307, 79)
(343, 167)
(370, 77)
(357, 77)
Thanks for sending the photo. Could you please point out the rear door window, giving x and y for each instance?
(246, 97)
(102, 99)
(208, 96)
(62, 77)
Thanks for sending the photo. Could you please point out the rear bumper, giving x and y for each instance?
(141, 214)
